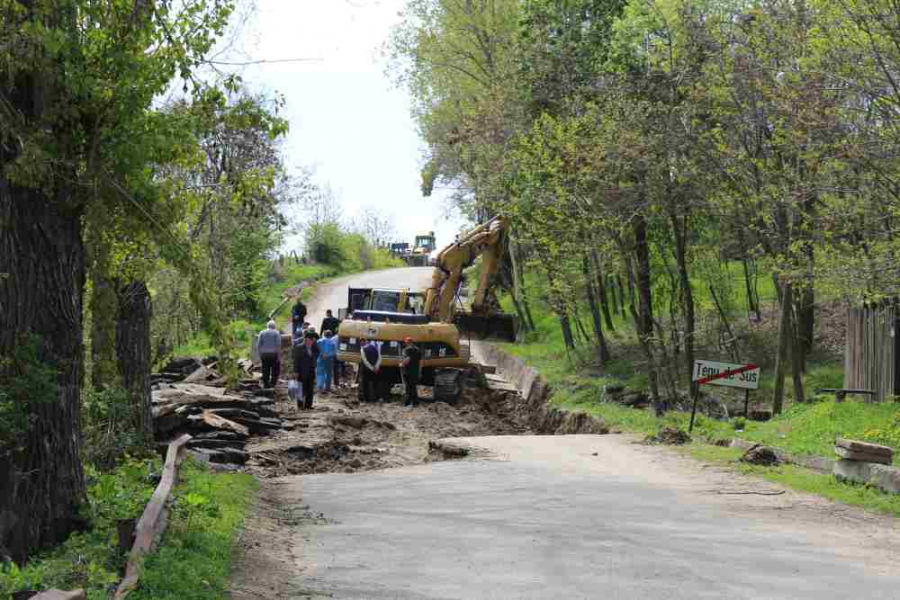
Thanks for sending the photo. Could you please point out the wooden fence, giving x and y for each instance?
(871, 351)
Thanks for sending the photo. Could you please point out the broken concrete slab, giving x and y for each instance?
(844, 453)
(224, 455)
(864, 447)
(215, 444)
(881, 476)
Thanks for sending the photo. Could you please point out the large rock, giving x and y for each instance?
(761, 455)
(863, 448)
(846, 454)
(882, 476)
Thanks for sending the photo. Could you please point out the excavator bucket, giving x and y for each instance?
(496, 326)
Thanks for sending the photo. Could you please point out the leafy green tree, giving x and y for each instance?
(78, 81)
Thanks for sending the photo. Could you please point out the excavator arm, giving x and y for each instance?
(488, 241)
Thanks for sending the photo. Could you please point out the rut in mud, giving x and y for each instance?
(342, 435)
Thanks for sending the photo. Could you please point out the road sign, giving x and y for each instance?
(726, 374)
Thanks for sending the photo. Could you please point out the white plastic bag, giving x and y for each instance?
(293, 389)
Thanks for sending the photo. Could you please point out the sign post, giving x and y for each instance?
(707, 372)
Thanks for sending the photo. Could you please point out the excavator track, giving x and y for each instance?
(447, 385)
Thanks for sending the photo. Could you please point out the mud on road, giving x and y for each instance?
(342, 435)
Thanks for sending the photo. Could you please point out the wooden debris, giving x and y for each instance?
(216, 422)
(224, 455)
(215, 444)
(150, 526)
(60, 595)
(260, 426)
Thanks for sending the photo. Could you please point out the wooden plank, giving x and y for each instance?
(217, 422)
(60, 595)
(151, 525)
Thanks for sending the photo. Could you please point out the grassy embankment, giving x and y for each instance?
(579, 384)
(280, 280)
(193, 561)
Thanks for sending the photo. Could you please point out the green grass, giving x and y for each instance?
(803, 480)
(90, 559)
(194, 560)
(804, 429)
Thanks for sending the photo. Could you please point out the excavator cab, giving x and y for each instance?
(382, 301)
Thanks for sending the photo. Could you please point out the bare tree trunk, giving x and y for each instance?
(752, 298)
(133, 350)
(601, 290)
(784, 336)
(518, 276)
(566, 327)
(621, 289)
(42, 256)
(807, 320)
(611, 286)
(595, 313)
(103, 328)
(680, 227)
(644, 315)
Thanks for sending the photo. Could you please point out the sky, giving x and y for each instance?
(347, 121)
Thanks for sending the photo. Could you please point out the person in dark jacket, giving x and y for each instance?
(330, 323)
(298, 316)
(409, 368)
(369, 367)
(305, 358)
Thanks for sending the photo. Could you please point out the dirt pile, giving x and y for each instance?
(669, 436)
(342, 435)
(761, 455)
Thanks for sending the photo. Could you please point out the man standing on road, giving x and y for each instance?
(327, 350)
(305, 358)
(332, 324)
(298, 316)
(268, 345)
(368, 370)
(409, 368)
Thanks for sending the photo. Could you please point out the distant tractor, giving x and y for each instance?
(422, 249)
(420, 255)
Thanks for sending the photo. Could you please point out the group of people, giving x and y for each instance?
(314, 356)
(370, 368)
(316, 366)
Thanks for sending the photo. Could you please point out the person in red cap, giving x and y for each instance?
(409, 368)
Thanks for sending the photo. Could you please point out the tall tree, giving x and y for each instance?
(76, 80)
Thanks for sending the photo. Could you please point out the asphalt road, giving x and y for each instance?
(556, 517)
(333, 294)
(552, 520)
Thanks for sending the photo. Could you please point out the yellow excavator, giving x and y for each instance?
(433, 320)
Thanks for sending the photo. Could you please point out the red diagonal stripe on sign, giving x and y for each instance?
(726, 373)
